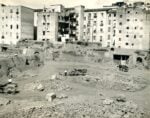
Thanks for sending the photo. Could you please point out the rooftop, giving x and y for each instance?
(97, 10)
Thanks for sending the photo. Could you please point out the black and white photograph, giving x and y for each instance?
(74, 58)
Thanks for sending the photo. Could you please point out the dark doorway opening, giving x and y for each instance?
(139, 60)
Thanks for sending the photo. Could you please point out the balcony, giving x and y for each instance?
(72, 27)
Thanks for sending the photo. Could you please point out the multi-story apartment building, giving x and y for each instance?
(132, 26)
(123, 25)
(16, 23)
(95, 26)
(59, 24)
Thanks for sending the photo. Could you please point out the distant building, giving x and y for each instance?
(16, 23)
(122, 25)
(95, 26)
(59, 24)
(132, 26)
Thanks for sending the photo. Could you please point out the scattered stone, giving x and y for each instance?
(54, 77)
(50, 97)
(108, 101)
(121, 98)
(4, 102)
(62, 96)
(100, 94)
(40, 87)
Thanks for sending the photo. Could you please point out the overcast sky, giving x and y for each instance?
(66, 3)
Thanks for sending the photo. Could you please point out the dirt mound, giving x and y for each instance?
(119, 82)
(114, 81)
(107, 108)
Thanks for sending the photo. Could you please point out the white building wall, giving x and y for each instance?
(11, 24)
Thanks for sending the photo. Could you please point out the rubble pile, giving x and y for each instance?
(56, 85)
(122, 82)
(107, 108)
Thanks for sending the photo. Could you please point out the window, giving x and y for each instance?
(135, 36)
(48, 15)
(88, 30)
(127, 35)
(128, 20)
(2, 18)
(101, 30)
(48, 23)
(109, 22)
(3, 37)
(120, 31)
(114, 15)
(102, 14)
(141, 28)
(94, 31)
(17, 18)
(109, 15)
(89, 15)
(127, 27)
(119, 46)
(108, 44)
(43, 32)
(84, 26)
(94, 22)
(120, 23)
(101, 38)
(108, 37)
(11, 11)
(141, 36)
(135, 19)
(109, 29)
(43, 23)
(119, 39)
(94, 37)
(95, 15)
(11, 26)
(17, 11)
(17, 26)
(127, 43)
(6, 17)
(120, 16)
(132, 44)
(128, 12)
(135, 27)
(101, 24)
(84, 18)
(17, 36)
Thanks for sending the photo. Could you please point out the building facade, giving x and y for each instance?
(132, 26)
(95, 26)
(123, 25)
(16, 23)
(59, 24)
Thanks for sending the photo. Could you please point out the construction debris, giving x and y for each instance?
(77, 72)
(40, 87)
(50, 97)
(4, 102)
